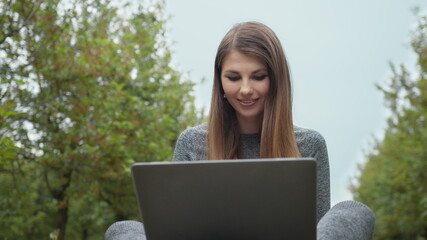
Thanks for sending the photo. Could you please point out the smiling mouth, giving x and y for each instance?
(247, 102)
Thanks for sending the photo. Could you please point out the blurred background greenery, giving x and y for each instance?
(87, 89)
(85, 92)
(393, 181)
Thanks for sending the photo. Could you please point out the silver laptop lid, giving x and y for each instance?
(227, 199)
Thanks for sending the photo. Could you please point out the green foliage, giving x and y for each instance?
(393, 182)
(85, 92)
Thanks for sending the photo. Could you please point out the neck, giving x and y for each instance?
(248, 126)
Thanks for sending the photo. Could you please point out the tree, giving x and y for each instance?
(86, 92)
(393, 182)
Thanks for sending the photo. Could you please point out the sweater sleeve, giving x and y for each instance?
(191, 144)
(312, 144)
(323, 177)
(182, 147)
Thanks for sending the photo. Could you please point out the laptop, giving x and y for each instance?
(227, 199)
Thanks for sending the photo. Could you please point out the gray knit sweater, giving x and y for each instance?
(191, 146)
(346, 220)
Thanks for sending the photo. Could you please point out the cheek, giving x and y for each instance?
(228, 87)
(224, 85)
(267, 86)
(264, 87)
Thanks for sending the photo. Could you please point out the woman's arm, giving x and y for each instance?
(312, 144)
(323, 177)
(191, 144)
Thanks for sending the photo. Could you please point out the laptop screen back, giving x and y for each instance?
(228, 199)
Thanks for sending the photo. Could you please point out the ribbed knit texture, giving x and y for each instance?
(347, 220)
(125, 230)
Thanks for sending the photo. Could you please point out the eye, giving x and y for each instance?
(260, 77)
(233, 78)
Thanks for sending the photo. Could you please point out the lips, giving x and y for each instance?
(247, 102)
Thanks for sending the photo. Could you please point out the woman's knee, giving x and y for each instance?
(125, 230)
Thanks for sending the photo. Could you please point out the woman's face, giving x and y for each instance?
(246, 84)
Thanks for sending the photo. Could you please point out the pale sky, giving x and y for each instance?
(337, 51)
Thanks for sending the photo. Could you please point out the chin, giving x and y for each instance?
(250, 115)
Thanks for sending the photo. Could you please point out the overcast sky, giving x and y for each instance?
(337, 50)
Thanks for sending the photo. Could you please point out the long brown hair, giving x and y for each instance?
(277, 133)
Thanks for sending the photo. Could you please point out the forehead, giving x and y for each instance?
(238, 61)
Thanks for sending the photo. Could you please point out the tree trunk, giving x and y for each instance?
(61, 218)
(62, 205)
(85, 234)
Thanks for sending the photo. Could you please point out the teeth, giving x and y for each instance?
(250, 101)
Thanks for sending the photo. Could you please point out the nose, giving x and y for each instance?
(246, 88)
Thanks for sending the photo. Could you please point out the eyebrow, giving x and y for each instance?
(236, 72)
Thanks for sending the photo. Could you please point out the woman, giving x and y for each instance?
(251, 108)
(251, 117)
